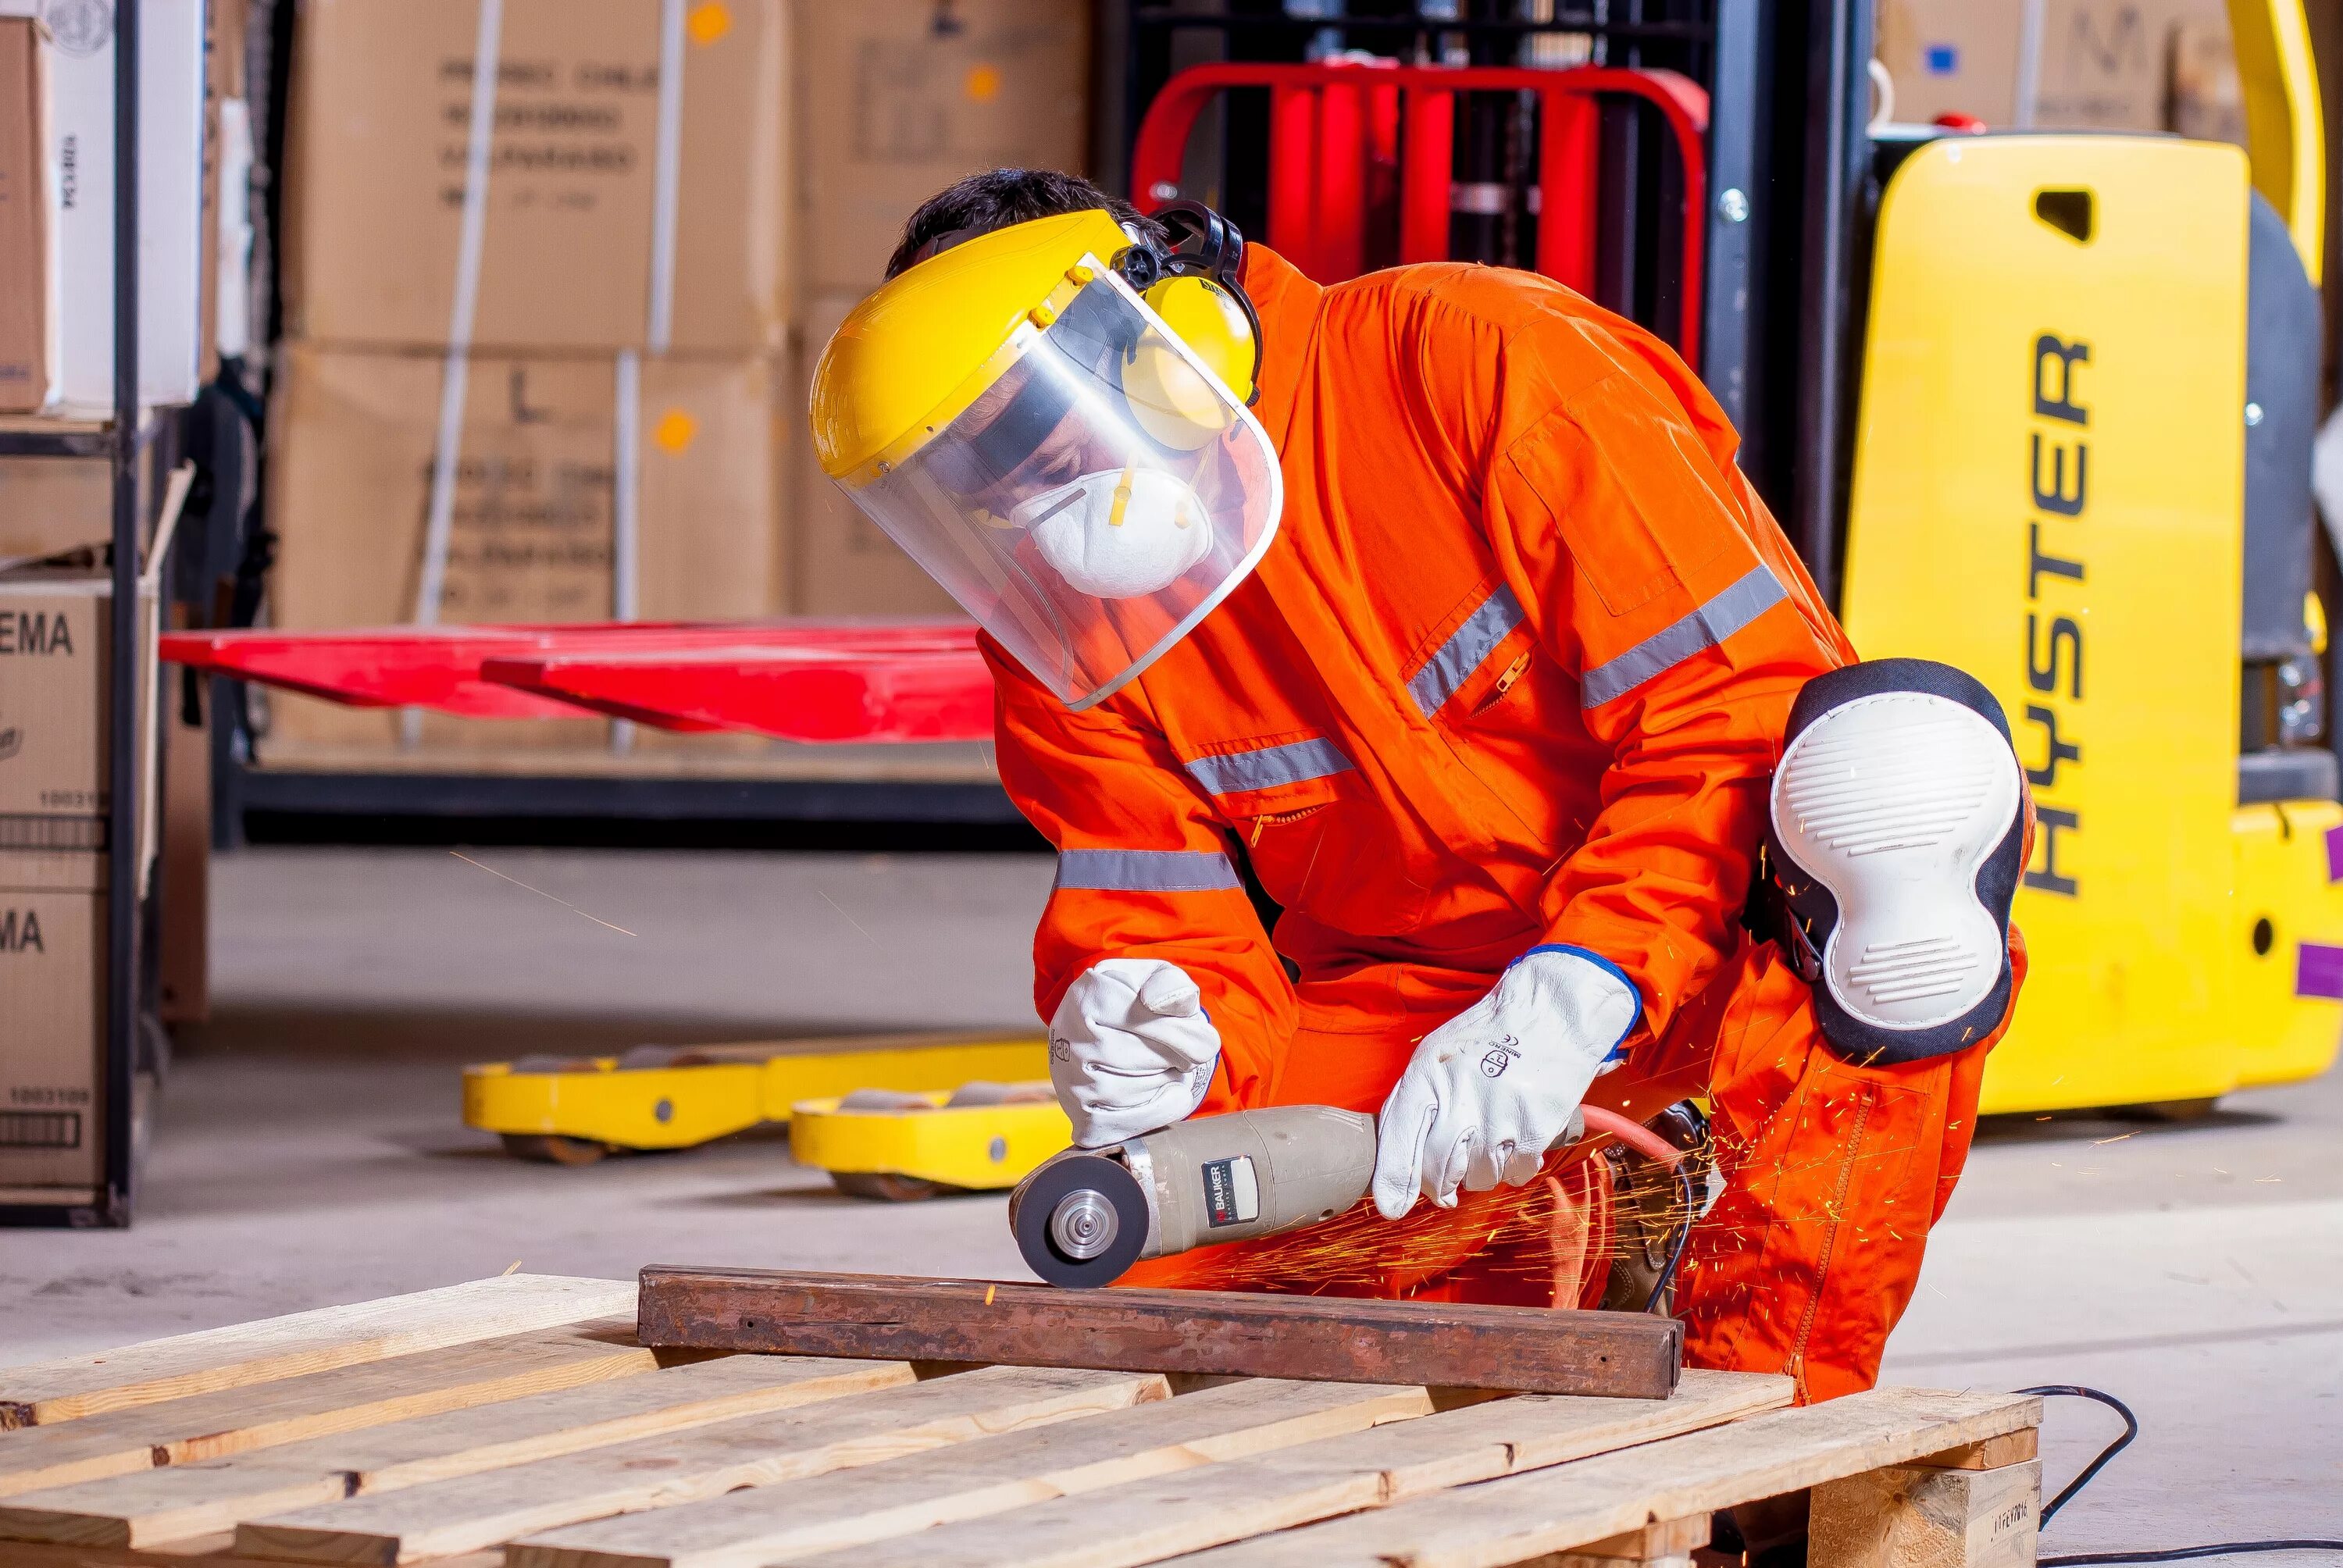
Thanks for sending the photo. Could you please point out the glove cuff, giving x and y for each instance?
(1617, 1052)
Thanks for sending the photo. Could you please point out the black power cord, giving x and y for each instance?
(2171, 1554)
(1683, 1233)
(2131, 1429)
(2180, 1553)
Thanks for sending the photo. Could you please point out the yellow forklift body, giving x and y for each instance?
(710, 1092)
(2047, 492)
(2287, 938)
(979, 1147)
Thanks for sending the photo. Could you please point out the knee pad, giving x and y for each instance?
(1894, 846)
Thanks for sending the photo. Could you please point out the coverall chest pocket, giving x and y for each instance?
(1325, 850)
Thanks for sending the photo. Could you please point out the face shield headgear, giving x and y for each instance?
(1090, 492)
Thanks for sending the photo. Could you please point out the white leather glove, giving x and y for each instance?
(1131, 1050)
(1488, 1093)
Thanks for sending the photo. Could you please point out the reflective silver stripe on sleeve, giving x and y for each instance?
(1145, 870)
(1296, 760)
(1706, 627)
(1464, 650)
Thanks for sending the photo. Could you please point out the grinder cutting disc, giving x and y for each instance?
(1081, 1220)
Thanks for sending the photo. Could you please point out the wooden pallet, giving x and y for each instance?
(517, 1422)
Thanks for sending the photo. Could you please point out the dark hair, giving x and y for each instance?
(1000, 197)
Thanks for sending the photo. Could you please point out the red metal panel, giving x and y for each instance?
(819, 695)
(1569, 182)
(1340, 186)
(440, 667)
(1299, 160)
(1427, 172)
(1292, 171)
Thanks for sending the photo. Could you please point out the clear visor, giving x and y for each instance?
(1095, 502)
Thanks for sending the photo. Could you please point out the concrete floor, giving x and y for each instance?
(308, 1150)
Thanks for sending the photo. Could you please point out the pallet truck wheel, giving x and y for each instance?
(552, 1149)
(889, 1187)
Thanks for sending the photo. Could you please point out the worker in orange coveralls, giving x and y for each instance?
(1468, 642)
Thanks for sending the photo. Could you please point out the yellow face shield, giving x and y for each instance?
(1094, 499)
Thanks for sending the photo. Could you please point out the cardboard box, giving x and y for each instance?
(53, 995)
(77, 62)
(2100, 64)
(378, 152)
(53, 504)
(224, 25)
(1953, 57)
(2207, 100)
(532, 536)
(844, 564)
(29, 301)
(896, 101)
(55, 663)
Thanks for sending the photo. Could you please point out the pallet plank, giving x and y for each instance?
(1522, 1517)
(1341, 1340)
(1193, 1509)
(183, 1502)
(481, 1511)
(1213, 1425)
(288, 1409)
(39, 1393)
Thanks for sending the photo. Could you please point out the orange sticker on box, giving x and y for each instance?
(709, 21)
(675, 430)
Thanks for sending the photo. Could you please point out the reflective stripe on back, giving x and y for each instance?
(1464, 651)
(1145, 870)
(1755, 593)
(1292, 763)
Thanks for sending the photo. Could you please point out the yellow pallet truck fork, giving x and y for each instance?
(573, 1110)
(983, 1136)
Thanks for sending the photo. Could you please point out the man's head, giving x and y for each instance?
(1000, 197)
(1017, 415)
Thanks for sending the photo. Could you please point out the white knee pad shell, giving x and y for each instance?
(1898, 830)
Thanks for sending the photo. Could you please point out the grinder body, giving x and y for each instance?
(1085, 1217)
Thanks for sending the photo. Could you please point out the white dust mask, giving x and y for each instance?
(1120, 533)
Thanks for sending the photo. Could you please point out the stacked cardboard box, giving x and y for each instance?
(895, 102)
(578, 317)
(56, 204)
(54, 666)
(2065, 64)
(640, 285)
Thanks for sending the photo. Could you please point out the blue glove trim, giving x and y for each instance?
(1615, 972)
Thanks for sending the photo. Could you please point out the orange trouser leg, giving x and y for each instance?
(1835, 1172)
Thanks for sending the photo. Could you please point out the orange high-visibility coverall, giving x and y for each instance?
(1516, 670)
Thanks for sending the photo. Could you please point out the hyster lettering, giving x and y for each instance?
(2057, 483)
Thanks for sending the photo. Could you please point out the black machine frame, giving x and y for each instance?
(1791, 186)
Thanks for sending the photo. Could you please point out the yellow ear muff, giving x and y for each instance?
(1209, 321)
(1173, 404)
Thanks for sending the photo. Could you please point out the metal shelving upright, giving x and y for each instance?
(122, 441)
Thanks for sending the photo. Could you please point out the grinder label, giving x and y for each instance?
(1232, 1191)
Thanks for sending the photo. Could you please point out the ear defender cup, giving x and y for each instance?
(1896, 842)
(1207, 318)
(1195, 287)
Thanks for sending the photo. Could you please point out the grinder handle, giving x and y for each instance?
(1251, 1174)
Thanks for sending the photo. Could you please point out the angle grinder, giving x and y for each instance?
(1086, 1216)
